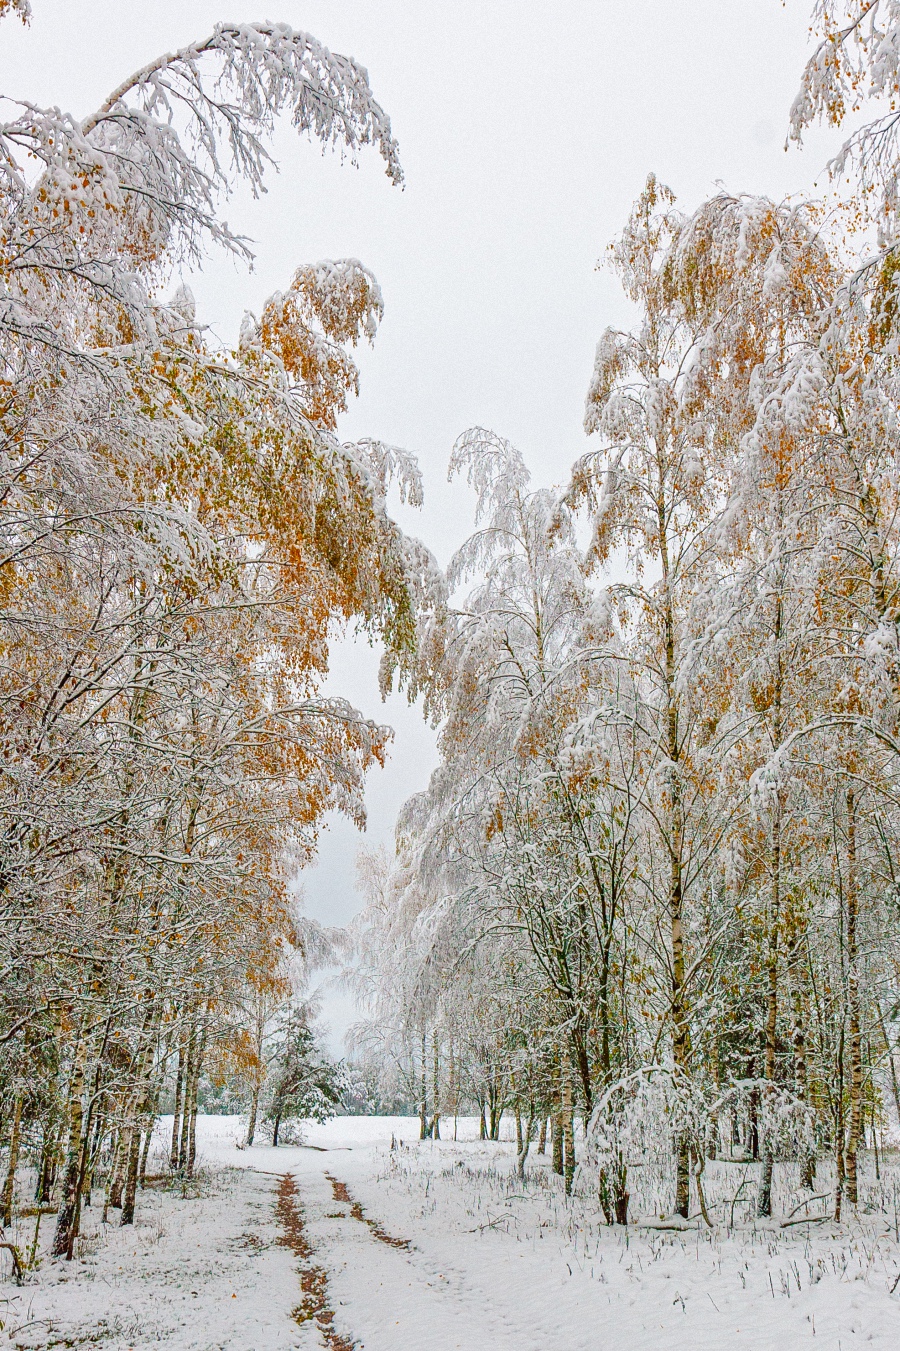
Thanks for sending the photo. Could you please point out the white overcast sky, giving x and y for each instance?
(526, 129)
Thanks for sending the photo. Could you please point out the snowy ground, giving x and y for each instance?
(438, 1247)
(197, 1270)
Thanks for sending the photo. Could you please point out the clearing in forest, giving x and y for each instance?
(346, 1243)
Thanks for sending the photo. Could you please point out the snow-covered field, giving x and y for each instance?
(345, 1242)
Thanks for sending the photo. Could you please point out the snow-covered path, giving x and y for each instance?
(382, 1295)
(348, 1245)
(489, 1265)
(431, 1296)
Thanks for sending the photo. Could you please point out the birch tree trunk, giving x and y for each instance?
(568, 1131)
(9, 1186)
(120, 1161)
(254, 1110)
(839, 1127)
(675, 843)
(523, 1140)
(436, 1089)
(798, 1045)
(495, 1106)
(556, 1142)
(681, 1045)
(138, 1110)
(195, 1088)
(113, 1197)
(892, 1067)
(65, 1221)
(179, 1098)
(556, 1123)
(44, 1183)
(131, 1173)
(764, 1203)
(423, 1095)
(185, 1107)
(145, 1151)
(853, 1010)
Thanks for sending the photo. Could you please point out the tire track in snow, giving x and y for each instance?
(401, 1298)
(341, 1193)
(313, 1279)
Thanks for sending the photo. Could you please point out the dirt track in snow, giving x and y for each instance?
(347, 1245)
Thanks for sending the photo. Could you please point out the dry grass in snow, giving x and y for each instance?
(440, 1247)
